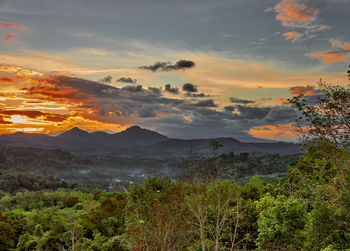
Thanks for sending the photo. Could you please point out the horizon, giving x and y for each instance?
(225, 70)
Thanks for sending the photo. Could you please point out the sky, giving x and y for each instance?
(186, 69)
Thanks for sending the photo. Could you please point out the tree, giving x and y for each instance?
(156, 216)
(281, 223)
(223, 209)
(327, 119)
(215, 147)
(8, 233)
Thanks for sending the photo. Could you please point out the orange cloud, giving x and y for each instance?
(323, 27)
(8, 37)
(2, 121)
(34, 102)
(279, 132)
(39, 64)
(294, 13)
(19, 71)
(304, 90)
(336, 43)
(282, 100)
(329, 57)
(20, 123)
(53, 117)
(52, 89)
(6, 80)
(18, 26)
(294, 36)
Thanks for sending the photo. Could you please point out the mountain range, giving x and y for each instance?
(139, 142)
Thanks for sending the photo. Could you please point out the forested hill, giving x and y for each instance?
(113, 173)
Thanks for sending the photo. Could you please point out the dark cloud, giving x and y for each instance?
(229, 108)
(132, 88)
(266, 99)
(188, 87)
(206, 103)
(248, 112)
(107, 79)
(183, 64)
(173, 90)
(157, 66)
(147, 113)
(127, 80)
(155, 90)
(241, 101)
(203, 122)
(171, 101)
(167, 66)
(207, 121)
(270, 115)
(281, 114)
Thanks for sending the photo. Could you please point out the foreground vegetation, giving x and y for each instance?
(308, 209)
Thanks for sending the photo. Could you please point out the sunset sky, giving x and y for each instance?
(187, 69)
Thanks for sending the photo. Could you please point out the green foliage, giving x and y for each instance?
(71, 201)
(281, 223)
(241, 167)
(156, 215)
(109, 216)
(322, 161)
(8, 232)
(12, 183)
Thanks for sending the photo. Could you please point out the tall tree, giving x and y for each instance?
(329, 118)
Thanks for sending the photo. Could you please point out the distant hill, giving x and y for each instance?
(140, 143)
(75, 133)
(200, 147)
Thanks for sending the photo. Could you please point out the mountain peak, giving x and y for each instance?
(140, 136)
(75, 131)
(134, 128)
(19, 133)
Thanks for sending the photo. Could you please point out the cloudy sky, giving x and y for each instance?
(187, 69)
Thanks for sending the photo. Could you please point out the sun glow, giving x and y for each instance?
(30, 129)
(20, 71)
(18, 119)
